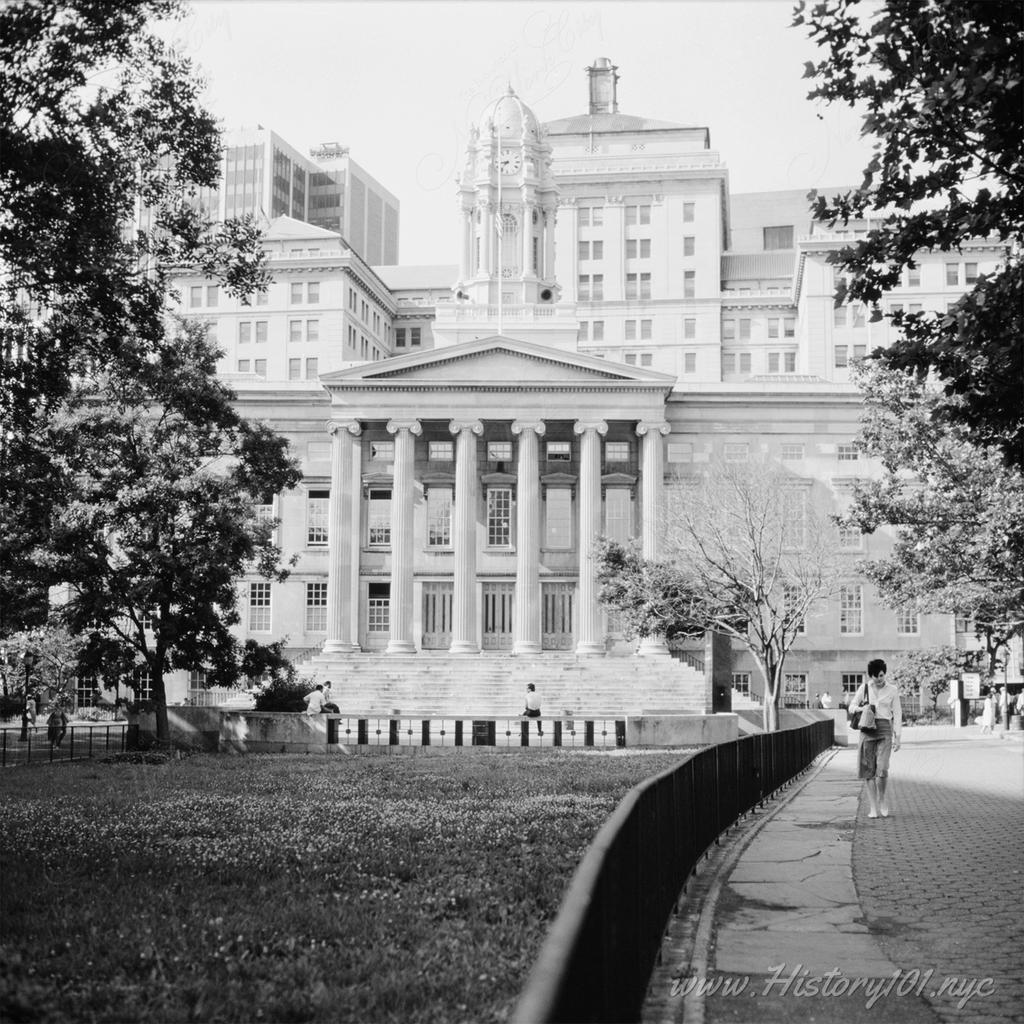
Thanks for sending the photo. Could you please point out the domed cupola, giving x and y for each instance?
(509, 118)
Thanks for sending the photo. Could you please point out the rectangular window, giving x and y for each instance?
(790, 603)
(630, 330)
(598, 331)
(584, 217)
(851, 610)
(952, 273)
(262, 298)
(646, 359)
(312, 330)
(316, 607)
(645, 286)
(212, 294)
(259, 607)
(744, 362)
(245, 332)
(689, 327)
(295, 369)
(499, 451)
(243, 365)
(789, 362)
(317, 505)
(195, 296)
(773, 328)
(558, 518)
(773, 362)
(852, 682)
(778, 237)
(311, 369)
(499, 517)
(858, 316)
(792, 452)
(378, 517)
(399, 337)
(795, 689)
(908, 622)
(378, 608)
(630, 248)
(439, 517)
(794, 517)
(741, 683)
(728, 330)
(839, 316)
(583, 251)
(296, 293)
(597, 287)
(841, 358)
(679, 451)
(583, 287)
(295, 330)
(646, 326)
(414, 336)
(259, 367)
(688, 212)
(859, 351)
(261, 332)
(850, 538)
(689, 362)
(745, 329)
(631, 286)
(559, 451)
(914, 277)
(963, 624)
(847, 452)
(441, 451)
(970, 273)
(728, 362)
(689, 284)
(736, 451)
(689, 245)
(618, 514)
(630, 358)
(382, 451)
(789, 327)
(645, 248)
(616, 451)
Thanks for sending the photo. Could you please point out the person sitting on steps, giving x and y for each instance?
(533, 706)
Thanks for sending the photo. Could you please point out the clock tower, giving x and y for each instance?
(508, 202)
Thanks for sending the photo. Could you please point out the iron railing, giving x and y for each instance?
(80, 742)
(597, 960)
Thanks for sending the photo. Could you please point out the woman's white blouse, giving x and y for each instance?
(887, 705)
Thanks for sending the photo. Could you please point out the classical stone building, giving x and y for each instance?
(613, 323)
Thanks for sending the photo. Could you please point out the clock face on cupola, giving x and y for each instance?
(508, 204)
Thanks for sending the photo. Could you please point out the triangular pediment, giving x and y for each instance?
(497, 360)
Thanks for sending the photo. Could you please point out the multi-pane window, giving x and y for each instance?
(591, 286)
(195, 296)
(689, 245)
(259, 367)
(294, 369)
(689, 362)
(736, 451)
(913, 277)
(591, 216)
(638, 286)
(244, 365)
(789, 327)
(638, 215)
(852, 682)
(794, 517)
(638, 248)
(970, 273)
(499, 451)
(143, 683)
(312, 330)
(679, 451)
(792, 452)
(839, 316)
(598, 331)
(296, 292)
(559, 451)
(616, 451)
(689, 284)
(841, 358)
(688, 212)
(907, 622)
(312, 371)
(790, 602)
(263, 511)
(729, 330)
(212, 294)
(378, 517)
(558, 518)
(952, 273)
(313, 291)
(317, 505)
(646, 359)
(439, 517)
(262, 298)
(689, 328)
(441, 451)
(963, 624)
(778, 237)
(744, 362)
(399, 337)
(630, 330)
(850, 538)
(499, 517)
(295, 330)
(851, 609)
(591, 250)
(378, 608)
(382, 451)
(259, 607)
(795, 688)
(741, 683)
(618, 514)
(584, 331)
(261, 332)
(316, 607)
(847, 452)
(745, 329)
(728, 362)
(245, 332)
(857, 316)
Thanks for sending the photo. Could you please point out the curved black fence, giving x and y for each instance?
(81, 741)
(598, 957)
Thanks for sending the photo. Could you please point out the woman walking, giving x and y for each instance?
(876, 747)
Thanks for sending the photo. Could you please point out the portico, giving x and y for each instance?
(468, 485)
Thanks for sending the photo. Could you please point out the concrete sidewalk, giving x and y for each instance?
(811, 911)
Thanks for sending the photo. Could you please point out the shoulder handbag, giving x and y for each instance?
(863, 718)
(856, 710)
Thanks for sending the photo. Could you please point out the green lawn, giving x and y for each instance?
(292, 888)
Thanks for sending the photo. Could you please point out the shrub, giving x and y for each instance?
(11, 706)
(283, 695)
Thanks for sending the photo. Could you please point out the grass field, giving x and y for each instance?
(291, 888)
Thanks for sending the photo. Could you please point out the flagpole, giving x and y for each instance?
(498, 224)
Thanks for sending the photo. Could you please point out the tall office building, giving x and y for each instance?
(613, 324)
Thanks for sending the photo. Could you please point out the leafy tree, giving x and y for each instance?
(158, 523)
(927, 671)
(940, 86)
(747, 555)
(56, 652)
(957, 510)
(97, 116)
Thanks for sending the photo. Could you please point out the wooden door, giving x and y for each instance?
(498, 599)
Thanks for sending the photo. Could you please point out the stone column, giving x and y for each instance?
(652, 495)
(343, 558)
(464, 607)
(590, 637)
(526, 614)
(548, 269)
(487, 241)
(527, 241)
(402, 495)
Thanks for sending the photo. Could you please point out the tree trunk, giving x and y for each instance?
(772, 693)
(163, 726)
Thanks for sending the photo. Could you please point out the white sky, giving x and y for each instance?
(400, 83)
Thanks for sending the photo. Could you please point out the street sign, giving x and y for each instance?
(972, 685)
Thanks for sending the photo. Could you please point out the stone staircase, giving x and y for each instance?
(494, 685)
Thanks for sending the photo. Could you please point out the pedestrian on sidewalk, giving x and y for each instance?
(877, 747)
(988, 714)
(56, 726)
(533, 706)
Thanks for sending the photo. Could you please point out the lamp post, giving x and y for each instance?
(29, 659)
